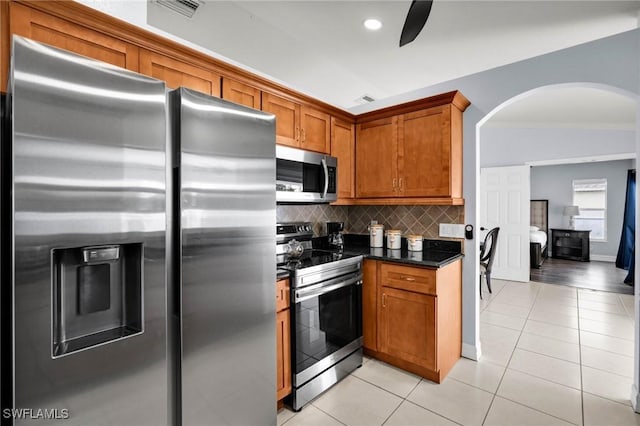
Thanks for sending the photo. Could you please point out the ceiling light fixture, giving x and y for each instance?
(372, 24)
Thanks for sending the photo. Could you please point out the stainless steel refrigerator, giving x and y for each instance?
(224, 181)
(137, 264)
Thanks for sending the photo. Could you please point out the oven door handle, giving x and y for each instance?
(326, 287)
(326, 177)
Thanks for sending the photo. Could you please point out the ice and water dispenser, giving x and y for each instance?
(97, 295)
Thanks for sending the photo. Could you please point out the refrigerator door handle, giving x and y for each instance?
(326, 178)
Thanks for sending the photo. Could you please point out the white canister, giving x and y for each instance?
(414, 242)
(376, 251)
(394, 239)
(394, 253)
(376, 232)
(415, 255)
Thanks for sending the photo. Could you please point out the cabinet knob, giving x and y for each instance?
(408, 278)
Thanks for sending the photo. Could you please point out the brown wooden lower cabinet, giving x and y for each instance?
(407, 326)
(369, 306)
(283, 340)
(418, 316)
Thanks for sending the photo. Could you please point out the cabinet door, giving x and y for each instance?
(283, 355)
(407, 326)
(424, 153)
(177, 73)
(282, 294)
(343, 148)
(240, 93)
(48, 29)
(316, 130)
(376, 164)
(287, 118)
(369, 306)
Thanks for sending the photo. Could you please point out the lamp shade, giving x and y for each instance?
(571, 211)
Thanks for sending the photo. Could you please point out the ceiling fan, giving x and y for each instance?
(416, 18)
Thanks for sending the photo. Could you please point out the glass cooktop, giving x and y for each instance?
(311, 258)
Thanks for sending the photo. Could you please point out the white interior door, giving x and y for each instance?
(505, 194)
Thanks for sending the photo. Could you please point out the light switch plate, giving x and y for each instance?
(452, 230)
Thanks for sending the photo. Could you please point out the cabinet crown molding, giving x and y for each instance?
(455, 98)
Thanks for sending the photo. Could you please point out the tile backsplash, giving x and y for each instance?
(318, 214)
(422, 220)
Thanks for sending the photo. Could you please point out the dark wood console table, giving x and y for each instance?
(570, 244)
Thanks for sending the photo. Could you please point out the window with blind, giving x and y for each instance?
(591, 196)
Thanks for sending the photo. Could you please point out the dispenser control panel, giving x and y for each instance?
(100, 254)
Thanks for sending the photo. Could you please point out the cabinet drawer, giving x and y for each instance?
(419, 280)
(282, 295)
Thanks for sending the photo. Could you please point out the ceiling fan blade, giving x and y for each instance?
(416, 18)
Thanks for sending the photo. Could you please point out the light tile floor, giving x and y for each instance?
(552, 355)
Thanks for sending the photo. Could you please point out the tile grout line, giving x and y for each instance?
(536, 409)
(321, 410)
(493, 398)
(551, 356)
(609, 399)
(581, 371)
(401, 402)
(404, 398)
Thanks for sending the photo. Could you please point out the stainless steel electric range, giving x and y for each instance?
(326, 313)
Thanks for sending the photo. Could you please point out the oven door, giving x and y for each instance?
(327, 325)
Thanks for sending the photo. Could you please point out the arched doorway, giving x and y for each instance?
(478, 138)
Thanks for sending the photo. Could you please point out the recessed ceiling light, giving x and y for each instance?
(372, 24)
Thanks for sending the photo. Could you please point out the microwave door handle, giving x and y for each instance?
(326, 177)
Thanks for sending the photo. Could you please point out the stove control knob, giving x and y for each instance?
(308, 228)
(300, 228)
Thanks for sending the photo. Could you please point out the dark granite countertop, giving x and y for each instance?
(434, 254)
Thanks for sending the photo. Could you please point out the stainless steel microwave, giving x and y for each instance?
(305, 176)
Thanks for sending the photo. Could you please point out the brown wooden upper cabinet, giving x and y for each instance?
(177, 73)
(287, 118)
(299, 126)
(315, 129)
(45, 28)
(240, 93)
(413, 154)
(343, 138)
(425, 154)
(376, 158)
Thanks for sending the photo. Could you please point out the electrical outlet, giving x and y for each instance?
(452, 230)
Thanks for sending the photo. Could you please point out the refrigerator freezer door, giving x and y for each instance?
(227, 199)
(89, 195)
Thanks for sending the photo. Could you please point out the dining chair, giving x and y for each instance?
(487, 254)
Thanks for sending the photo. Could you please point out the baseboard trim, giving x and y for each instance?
(635, 399)
(603, 258)
(473, 352)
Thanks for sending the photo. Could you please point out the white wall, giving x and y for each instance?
(554, 183)
(512, 146)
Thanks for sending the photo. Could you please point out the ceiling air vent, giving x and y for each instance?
(365, 99)
(183, 7)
